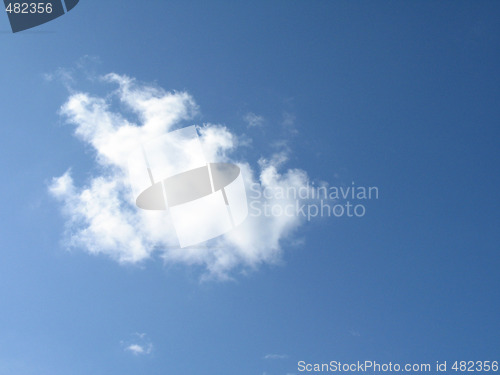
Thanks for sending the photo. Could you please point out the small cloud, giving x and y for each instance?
(138, 349)
(138, 345)
(275, 356)
(253, 120)
(354, 333)
(289, 122)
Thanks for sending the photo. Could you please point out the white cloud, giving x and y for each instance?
(253, 120)
(101, 216)
(138, 349)
(138, 345)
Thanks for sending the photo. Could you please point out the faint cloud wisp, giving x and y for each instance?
(253, 120)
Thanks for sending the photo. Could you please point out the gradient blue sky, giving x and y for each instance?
(401, 95)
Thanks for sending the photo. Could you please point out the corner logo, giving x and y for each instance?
(26, 14)
(204, 200)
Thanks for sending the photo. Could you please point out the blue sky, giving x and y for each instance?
(402, 96)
